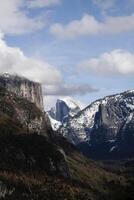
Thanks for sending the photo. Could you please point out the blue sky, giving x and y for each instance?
(78, 48)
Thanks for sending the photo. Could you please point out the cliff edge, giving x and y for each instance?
(23, 88)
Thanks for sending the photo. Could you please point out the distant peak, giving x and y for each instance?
(70, 102)
(130, 91)
(6, 75)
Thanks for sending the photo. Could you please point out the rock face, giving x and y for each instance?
(126, 132)
(65, 108)
(21, 105)
(24, 88)
(114, 114)
(102, 121)
(77, 129)
(25, 130)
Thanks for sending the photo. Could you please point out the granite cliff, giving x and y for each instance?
(63, 110)
(21, 103)
(105, 126)
(23, 88)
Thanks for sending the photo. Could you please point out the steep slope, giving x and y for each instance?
(113, 131)
(64, 108)
(54, 123)
(19, 111)
(77, 129)
(114, 112)
(110, 113)
(32, 167)
(23, 88)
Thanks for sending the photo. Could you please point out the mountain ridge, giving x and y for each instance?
(83, 127)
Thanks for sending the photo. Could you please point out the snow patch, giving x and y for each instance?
(54, 123)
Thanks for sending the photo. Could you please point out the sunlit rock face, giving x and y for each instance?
(24, 88)
(21, 101)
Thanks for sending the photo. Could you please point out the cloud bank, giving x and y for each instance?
(14, 19)
(104, 4)
(66, 89)
(42, 3)
(89, 25)
(13, 60)
(116, 62)
(15, 15)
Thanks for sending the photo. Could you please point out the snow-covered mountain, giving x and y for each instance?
(100, 121)
(114, 113)
(77, 129)
(54, 123)
(64, 108)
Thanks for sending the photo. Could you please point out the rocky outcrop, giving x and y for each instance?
(126, 133)
(18, 114)
(77, 129)
(23, 88)
(64, 109)
(112, 135)
(23, 125)
(114, 113)
(21, 105)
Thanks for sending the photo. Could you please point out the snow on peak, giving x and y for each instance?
(78, 128)
(131, 91)
(5, 75)
(129, 118)
(54, 123)
(64, 108)
(71, 103)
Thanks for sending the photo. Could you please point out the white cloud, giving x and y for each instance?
(67, 90)
(15, 15)
(49, 101)
(13, 60)
(42, 3)
(104, 4)
(116, 62)
(89, 25)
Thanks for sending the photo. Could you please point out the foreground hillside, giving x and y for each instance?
(37, 167)
(32, 167)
